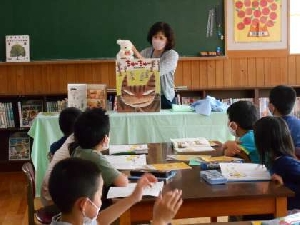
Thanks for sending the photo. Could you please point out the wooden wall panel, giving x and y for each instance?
(298, 69)
(179, 74)
(228, 73)
(260, 72)
(195, 74)
(292, 76)
(4, 79)
(51, 78)
(211, 73)
(219, 73)
(251, 72)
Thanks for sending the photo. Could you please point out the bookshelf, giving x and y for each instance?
(12, 129)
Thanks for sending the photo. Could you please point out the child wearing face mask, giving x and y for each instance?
(162, 41)
(91, 134)
(76, 188)
(281, 103)
(241, 117)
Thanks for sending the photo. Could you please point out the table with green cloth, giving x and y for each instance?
(131, 128)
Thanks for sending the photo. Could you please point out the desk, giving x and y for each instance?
(131, 128)
(201, 199)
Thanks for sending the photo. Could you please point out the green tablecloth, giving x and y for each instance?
(131, 128)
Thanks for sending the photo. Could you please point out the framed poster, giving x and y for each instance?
(256, 24)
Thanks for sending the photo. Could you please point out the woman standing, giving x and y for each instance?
(161, 37)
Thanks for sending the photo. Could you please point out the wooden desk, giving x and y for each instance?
(201, 199)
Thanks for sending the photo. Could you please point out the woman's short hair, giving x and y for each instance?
(164, 28)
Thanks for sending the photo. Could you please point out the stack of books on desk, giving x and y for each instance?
(199, 144)
(128, 149)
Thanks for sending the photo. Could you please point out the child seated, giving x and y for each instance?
(66, 121)
(76, 187)
(275, 145)
(282, 100)
(91, 133)
(241, 117)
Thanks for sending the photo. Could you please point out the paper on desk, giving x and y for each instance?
(199, 144)
(115, 149)
(121, 192)
(126, 162)
(244, 172)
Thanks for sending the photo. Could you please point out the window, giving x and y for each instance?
(294, 26)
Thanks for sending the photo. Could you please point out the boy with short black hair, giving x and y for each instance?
(281, 103)
(67, 118)
(76, 187)
(242, 115)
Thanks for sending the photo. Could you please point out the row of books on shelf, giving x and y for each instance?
(6, 115)
(27, 111)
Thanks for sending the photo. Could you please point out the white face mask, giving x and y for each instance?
(106, 145)
(87, 220)
(158, 44)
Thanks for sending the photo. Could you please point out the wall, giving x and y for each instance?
(52, 78)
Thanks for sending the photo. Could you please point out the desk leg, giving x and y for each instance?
(125, 218)
(281, 207)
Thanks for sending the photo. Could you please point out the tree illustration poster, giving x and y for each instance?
(257, 20)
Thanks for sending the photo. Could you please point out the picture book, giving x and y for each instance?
(122, 192)
(167, 166)
(19, 146)
(17, 48)
(77, 96)
(96, 96)
(244, 172)
(221, 159)
(199, 144)
(82, 96)
(28, 110)
(186, 157)
(128, 149)
(127, 162)
(138, 85)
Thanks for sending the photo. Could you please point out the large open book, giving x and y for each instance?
(199, 144)
(244, 172)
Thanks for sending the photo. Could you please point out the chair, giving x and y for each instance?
(43, 215)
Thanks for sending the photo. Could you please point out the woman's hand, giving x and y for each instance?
(166, 207)
(136, 52)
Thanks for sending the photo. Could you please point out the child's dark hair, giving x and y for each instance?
(67, 119)
(90, 129)
(244, 113)
(272, 139)
(73, 178)
(283, 98)
(166, 30)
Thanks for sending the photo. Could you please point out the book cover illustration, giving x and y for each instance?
(19, 146)
(138, 85)
(129, 149)
(199, 144)
(244, 172)
(167, 166)
(77, 96)
(127, 162)
(17, 48)
(28, 110)
(96, 96)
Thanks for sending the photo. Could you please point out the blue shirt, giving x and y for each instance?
(248, 145)
(289, 169)
(294, 127)
(56, 145)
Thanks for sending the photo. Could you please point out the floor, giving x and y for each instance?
(13, 205)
